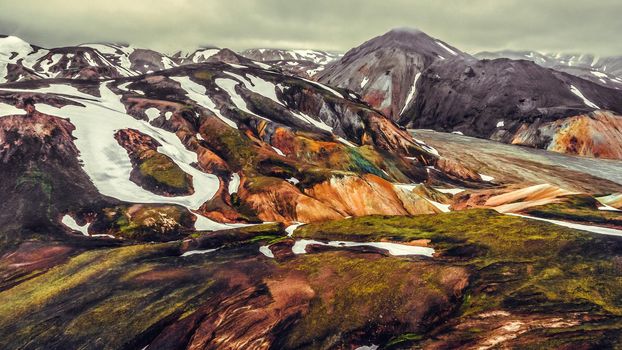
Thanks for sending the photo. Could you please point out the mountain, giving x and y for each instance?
(133, 60)
(500, 98)
(384, 70)
(606, 71)
(231, 143)
(22, 61)
(421, 82)
(303, 63)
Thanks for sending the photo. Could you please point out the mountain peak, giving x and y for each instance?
(405, 30)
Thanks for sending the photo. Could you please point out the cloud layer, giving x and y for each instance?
(168, 25)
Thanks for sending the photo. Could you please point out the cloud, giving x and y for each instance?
(473, 25)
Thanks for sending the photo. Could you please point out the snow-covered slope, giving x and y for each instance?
(21, 61)
(206, 146)
(314, 56)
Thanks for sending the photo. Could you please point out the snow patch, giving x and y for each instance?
(152, 113)
(453, 191)
(346, 142)
(486, 178)
(294, 181)
(234, 183)
(198, 93)
(195, 252)
(589, 228)
(265, 250)
(300, 247)
(587, 102)
(444, 208)
(446, 48)
(411, 93)
(364, 82)
(70, 222)
(291, 228)
(278, 151)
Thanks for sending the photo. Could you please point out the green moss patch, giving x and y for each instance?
(144, 222)
(581, 208)
(520, 265)
(160, 174)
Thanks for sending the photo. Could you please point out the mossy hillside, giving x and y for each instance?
(336, 156)
(144, 222)
(384, 162)
(521, 265)
(356, 292)
(269, 232)
(163, 174)
(580, 208)
(232, 146)
(106, 298)
(204, 75)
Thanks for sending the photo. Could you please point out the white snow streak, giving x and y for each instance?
(447, 48)
(234, 183)
(198, 93)
(70, 222)
(587, 102)
(300, 247)
(411, 93)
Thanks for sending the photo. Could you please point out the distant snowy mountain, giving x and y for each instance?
(606, 71)
(305, 63)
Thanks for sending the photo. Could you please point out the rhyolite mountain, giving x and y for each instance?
(421, 82)
(209, 200)
(384, 69)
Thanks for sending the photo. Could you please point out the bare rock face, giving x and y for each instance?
(606, 71)
(384, 70)
(368, 195)
(597, 134)
(498, 96)
(42, 175)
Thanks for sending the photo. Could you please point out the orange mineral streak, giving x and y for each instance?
(277, 200)
(456, 169)
(368, 195)
(284, 139)
(528, 197)
(596, 135)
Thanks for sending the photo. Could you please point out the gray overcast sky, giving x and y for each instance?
(167, 25)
